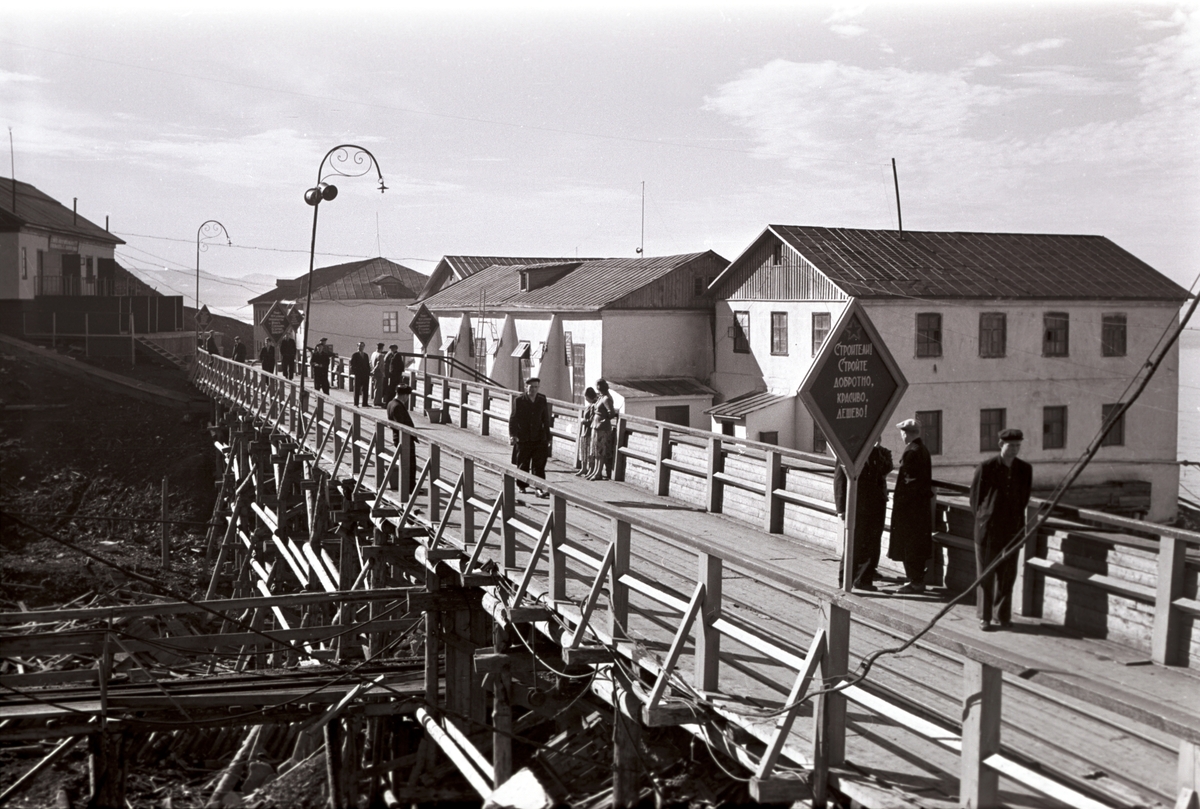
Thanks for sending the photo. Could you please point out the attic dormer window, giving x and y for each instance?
(524, 281)
(777, 254)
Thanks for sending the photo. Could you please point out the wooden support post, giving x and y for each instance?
(708, 638)
(432, 585)
(715, 465)
(1165, 646)
(829, 712)
(381, 455)
(166, 530)
(1032, 583)
(107, 769)
(662, 472)
(485, 404)
(435, 493)
(1188, 787)
(772, 505)
(627, 737)
(468, 511)
(849, 518)
(333, 763)
(558, 558)
(508, 534)
(618, 599)
(463, 397)
(354, 439)
(978, 783)
(336, 426)
(407, 465)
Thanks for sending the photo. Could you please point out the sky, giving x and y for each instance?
(523, 129)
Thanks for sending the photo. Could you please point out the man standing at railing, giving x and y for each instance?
(377, 375)
(869, 514)
(912, 509)
(239, 349)
(266, 357)
(999, 494)
(529, 432)
(287, 355)
(393, 372)
(360, 369)
(321, 357)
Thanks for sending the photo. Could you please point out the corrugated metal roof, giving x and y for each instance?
(594, 285)
(747, 403)
(350, 281)
(36, 209)
(664, 386)
(452, 269)
(924, 264)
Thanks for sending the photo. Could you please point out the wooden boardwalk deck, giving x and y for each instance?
(1085, 721)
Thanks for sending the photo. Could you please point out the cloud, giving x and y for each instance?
(8, 77)
(840, 21)
(988, 59)
(1040, 45)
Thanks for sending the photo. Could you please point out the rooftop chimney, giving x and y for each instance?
(74, 210)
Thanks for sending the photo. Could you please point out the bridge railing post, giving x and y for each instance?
(463, 396)
(1033, 583)
(620, 439)
(618, 599)
(978, 783)
(1165, 645)
(708, 637)
(1188, 787)
(381, 456)
(485, 404)
(772, 505)
(408, 465)
(435, 474)
(468, 509)
(558, 558)
(715, 464)
(662, 472)
(354, 438)
(335, 424)
(829, 712)
(508, 533)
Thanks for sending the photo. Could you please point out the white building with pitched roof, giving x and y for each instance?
(992, 330)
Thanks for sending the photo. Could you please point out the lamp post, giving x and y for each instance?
(347, 160)
(208, 230)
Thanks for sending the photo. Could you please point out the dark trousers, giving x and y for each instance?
(866, 557)
(993, 596)
(377, 387)
(288, 367)
(362, 389)
(321, 379)
(530, 456)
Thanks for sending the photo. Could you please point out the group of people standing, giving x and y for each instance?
(1000, 492)
(529, 433)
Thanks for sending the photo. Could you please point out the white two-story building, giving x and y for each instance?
(992, 330)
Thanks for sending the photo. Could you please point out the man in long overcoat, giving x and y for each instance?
(378, 371)
(912, 509)
(393, 371)
(529, 432)
(266, 356)
(870, 513)
(999, 494)
(287, 355)
(360, 369)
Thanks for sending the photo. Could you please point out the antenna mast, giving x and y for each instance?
(896, 180)
(12, 162)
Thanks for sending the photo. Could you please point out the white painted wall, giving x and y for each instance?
(347, 322)
(641, 344)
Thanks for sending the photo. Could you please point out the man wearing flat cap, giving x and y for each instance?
(529, 432)
(999, 494)
(911, 541)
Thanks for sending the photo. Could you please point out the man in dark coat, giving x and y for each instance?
(321, 357)
(210, 345)
(397, 412)
(287, 355)
(529, 432)
(360, 369)
(239, 349)
(912, 509)
(393, 372)
(266, 356)
(999, 494)
(870, 513)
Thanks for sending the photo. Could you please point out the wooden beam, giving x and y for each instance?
(978, 783)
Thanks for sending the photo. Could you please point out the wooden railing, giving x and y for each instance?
(357, 445)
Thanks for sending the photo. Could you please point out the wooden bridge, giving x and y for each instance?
(696, 591)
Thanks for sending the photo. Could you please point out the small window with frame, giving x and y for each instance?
(391, 322)
(993, 334)
(1054, 427)
(1056, 334)
(929, 334)
(820, 330)
(931, 430)
(777, 254)
(991, 422)
(1114, 415)
(779, 334)
(741, 332)
(1112, 338)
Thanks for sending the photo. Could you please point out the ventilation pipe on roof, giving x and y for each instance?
(74, 210)
(899, 218)
(106, 223)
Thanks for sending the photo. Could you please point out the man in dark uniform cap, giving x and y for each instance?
(529, 432)
(999, 494)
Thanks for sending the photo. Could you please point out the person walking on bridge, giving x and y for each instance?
(912, 509)
(377, 375)
(321, 357)
(239, 349)
(529, 432)
(393, 372)
(287, 355)
(999, 494)
(266, 356)
(360, 369)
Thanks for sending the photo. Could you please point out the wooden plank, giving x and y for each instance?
(979, 784)
(1109, 584)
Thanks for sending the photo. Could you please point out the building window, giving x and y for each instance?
(578, 370)
(680, 415)
(993, 334)
(779, 333)
(1112, 338)
(1115, 436)
(1056, 334)
(698, 286)
(87, 267)
(741, 332)
(991, 422)
(769, 437)
(728, 428)
(391, 322)
(777, 254)
(41, 268)
(820, 330)
(931, 430)
(24, 262)
(480, 355)
(1054, 427)
(929, 335)
(820, 445)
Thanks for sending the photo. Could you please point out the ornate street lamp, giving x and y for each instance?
(346, 160)
(209, 230)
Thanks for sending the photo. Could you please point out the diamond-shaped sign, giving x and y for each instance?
(275, 321)
(203, 317)
(853, 387)
(424, 325)
(294, 317)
